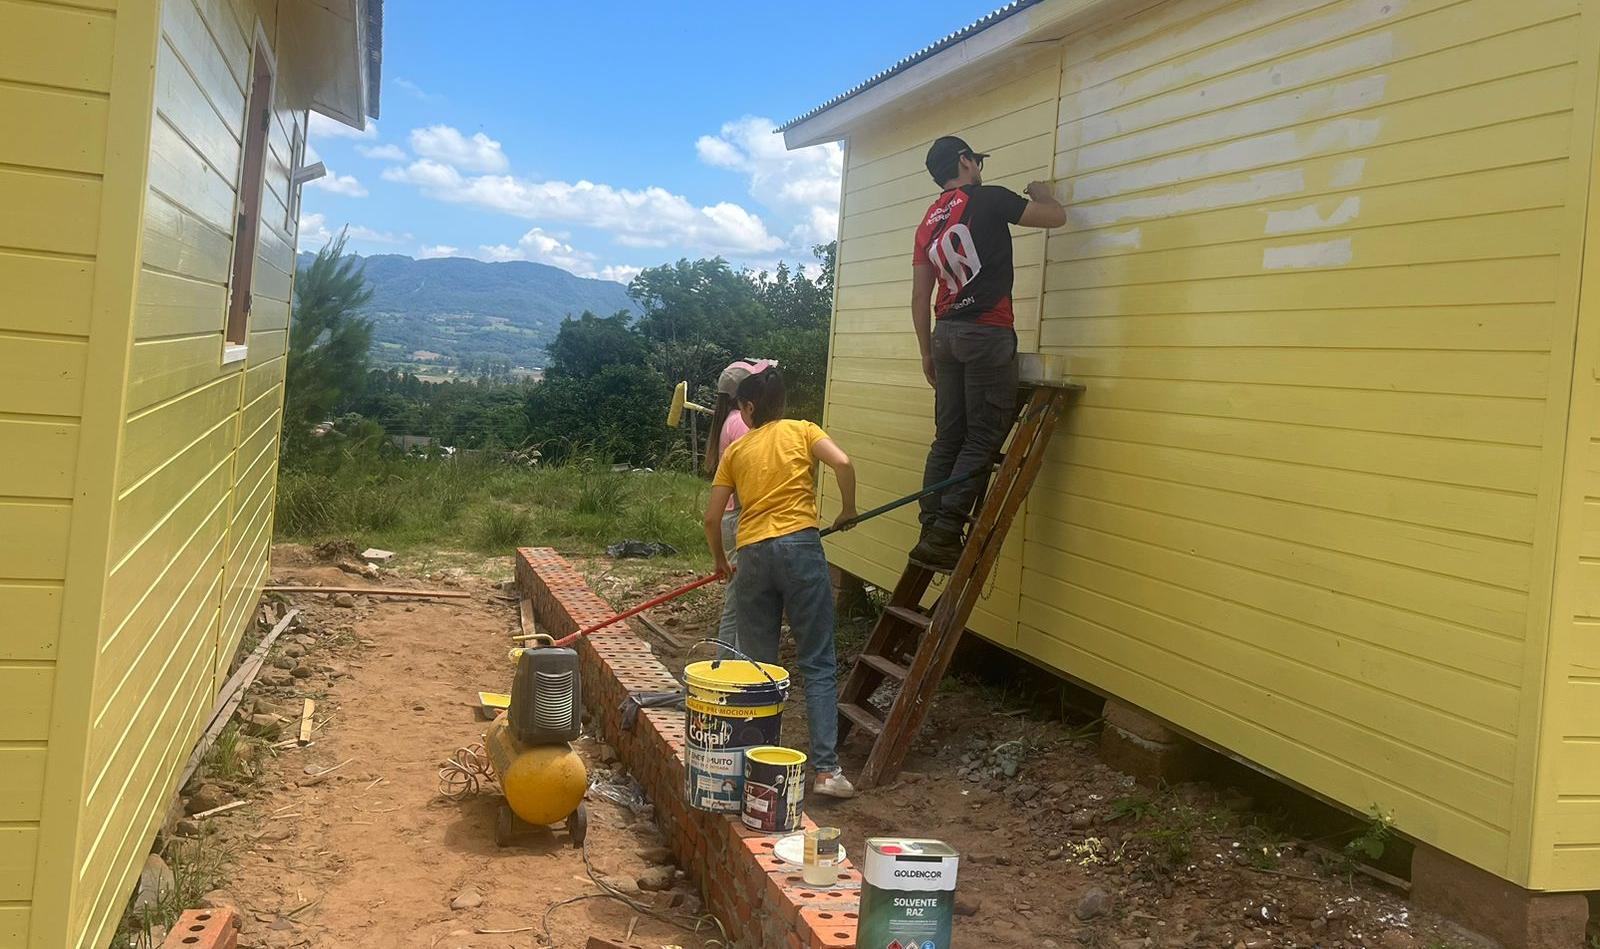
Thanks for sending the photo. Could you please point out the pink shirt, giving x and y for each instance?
(733, 427)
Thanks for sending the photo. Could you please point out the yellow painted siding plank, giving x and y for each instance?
(33, 617)
(263, 376)
(185, 178)
(44, 453)
(164, 368)
(155, 435)
(21, 780)
(45, 294)
(1167, 92)
(268, 344)
(48, 128)
(202, 512)
(1502, 100)
(200, 555)
(49, 212)
(1539, 139)
(146, 505)
(19, 847)
(171, 305)
(52, 46)
(41, 375)
(33, 539)
(178, 242)
(1456, 600)
(186, 32)
(14, 923)
(25, 689)
(180, 100)
(1434, 76)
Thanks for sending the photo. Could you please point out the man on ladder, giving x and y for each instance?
(963, 249)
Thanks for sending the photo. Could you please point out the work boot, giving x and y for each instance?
(939, 549)
(834, 784)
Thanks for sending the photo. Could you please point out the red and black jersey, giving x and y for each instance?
(966, 238)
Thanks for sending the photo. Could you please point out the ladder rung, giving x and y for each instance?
(916, 618)
(862, 717)
(886, 666)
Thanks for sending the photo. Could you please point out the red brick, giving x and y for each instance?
(204, 929)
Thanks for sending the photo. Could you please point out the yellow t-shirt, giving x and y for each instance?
(769, 468)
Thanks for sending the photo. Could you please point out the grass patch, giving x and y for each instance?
(485, 505)
(197, 869)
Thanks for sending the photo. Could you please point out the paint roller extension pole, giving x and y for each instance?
(697, 584)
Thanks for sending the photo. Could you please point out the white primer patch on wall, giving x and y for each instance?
(1309, 218)
(1322, 254)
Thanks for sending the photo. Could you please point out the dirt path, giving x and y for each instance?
(373, 855)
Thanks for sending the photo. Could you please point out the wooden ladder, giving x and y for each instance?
(914, 648)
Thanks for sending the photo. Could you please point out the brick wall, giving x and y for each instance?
(762, 901)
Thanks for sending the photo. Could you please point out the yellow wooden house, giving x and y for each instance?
(148, 194)
(1331, 498)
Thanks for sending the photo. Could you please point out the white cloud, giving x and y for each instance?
(652, 217)
(313, 231)
(621, 273)
(540, 246)
(383, 152)
(445, 144)
(346, 185)
(804, 181)
(417, 90)
(323, 127)
(437, 250)
(360, 232)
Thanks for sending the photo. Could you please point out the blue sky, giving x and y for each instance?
(603, 136)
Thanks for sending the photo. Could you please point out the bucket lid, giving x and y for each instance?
(734, 674)
(773, 754)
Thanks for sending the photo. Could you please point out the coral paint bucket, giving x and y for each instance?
(774, 789)
(732, 705)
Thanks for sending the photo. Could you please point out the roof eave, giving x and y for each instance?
(1033, 22)
(830, 123)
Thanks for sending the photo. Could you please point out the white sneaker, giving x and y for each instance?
(834, 784)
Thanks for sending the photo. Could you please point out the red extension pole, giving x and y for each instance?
(569, 640)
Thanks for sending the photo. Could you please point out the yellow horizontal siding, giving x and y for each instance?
(1317, 257)
(190, 525)
(47, 294)
(46, 45)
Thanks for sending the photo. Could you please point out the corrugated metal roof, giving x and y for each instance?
(374, 55)
(1016, 6)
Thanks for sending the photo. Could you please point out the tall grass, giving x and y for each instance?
(489, 506)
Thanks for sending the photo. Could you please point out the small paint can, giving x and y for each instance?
(774, 789)
(908, 894)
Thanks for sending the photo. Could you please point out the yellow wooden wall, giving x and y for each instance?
(1320, 280)
(55, 72)
(190, 528)
(1566, 844)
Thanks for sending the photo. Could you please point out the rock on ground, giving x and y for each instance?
(155, 879)
(467, 899)
(1094, 903)
(207, 798)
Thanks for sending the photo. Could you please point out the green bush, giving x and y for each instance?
(502, 526)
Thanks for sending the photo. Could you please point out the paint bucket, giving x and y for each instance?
(732, 705)
(908, 894)
(774, 789)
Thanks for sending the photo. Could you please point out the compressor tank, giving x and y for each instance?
(544, 784)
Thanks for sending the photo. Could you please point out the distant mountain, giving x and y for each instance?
(443, 312)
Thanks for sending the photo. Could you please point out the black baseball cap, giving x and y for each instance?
(944, 158)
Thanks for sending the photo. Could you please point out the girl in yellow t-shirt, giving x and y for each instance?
(782, 568)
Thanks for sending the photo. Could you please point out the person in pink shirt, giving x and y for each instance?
(727, 425)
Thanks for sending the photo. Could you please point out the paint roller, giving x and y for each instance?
(680, 401)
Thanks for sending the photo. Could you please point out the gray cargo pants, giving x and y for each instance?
(974, 403)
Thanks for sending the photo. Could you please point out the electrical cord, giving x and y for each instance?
(683, 921)
(465, 772)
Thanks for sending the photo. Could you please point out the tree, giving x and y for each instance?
(585, 345)
(691, 302)
(328, 342)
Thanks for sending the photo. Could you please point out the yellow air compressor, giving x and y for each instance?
(542, 779)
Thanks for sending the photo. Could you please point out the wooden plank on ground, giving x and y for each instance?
(232, 694)
(305, 721)
(372, 591)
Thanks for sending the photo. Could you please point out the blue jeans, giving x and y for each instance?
(728, 626)
(789, 574)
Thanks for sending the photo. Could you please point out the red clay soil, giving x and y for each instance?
(373, 855)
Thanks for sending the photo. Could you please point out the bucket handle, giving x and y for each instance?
(722, 645)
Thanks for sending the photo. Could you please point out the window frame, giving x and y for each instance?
(254, 154)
